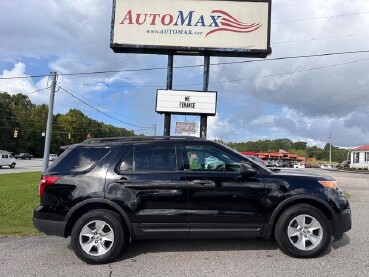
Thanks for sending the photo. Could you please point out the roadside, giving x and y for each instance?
(23, 166)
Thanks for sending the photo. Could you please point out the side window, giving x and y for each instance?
(208, 158)
(80, 159)
(155, 158)
(127, 164)
(150, 158)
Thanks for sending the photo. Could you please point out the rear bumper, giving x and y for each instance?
(343, 223)
(49, 223)
(50, 227)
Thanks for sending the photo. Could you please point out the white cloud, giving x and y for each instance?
(73, 36)
(23, 85)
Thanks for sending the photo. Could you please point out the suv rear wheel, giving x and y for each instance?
(98, 237)
(302, 231)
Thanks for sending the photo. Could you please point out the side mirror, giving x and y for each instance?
(247, 170)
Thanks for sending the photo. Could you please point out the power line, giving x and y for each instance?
(89, 99)
(191, 66)
(242, 79)
(317, 18)
(334, 106)
(320, 38)
(126, 123)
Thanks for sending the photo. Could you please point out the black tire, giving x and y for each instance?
(85, 224)
(300, 242)
(12, 165)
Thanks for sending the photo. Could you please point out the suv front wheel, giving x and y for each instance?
(98, 237)
(302, 231)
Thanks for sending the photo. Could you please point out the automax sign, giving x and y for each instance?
(195, 27)
(186, 102)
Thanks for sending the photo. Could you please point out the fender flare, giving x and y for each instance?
(300, 199)
(113, 205)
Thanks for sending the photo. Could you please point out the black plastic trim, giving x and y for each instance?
(50, 227)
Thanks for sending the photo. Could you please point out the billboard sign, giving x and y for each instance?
(186, 127)
(186, 102)
(192, 27)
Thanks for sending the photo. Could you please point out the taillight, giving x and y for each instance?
(46, 181)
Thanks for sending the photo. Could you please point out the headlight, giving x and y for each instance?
(329, 184)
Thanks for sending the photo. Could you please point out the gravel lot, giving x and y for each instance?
(52, 256)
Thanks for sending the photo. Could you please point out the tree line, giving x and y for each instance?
(23, 123)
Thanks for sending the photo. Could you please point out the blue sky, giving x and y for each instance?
(301, 99)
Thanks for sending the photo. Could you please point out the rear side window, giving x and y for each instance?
(150, 158)
(80, 159)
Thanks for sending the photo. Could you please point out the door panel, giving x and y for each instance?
(225, 204)
(152, 187)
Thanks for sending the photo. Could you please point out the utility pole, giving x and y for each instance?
(49, 125)
(155, 129)
(330, 148)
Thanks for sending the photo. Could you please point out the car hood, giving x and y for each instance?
(302, 173)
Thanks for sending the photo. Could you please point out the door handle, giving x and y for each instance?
(123, 181)
(203, 182)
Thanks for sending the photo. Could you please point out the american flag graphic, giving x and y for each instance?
(230, 24)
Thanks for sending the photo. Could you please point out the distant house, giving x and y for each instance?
(360, 157)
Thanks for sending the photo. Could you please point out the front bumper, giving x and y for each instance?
(343, 223)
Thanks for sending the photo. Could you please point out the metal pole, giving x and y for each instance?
(49, 125)
(167, 116)
(330, 148)
(204, 118)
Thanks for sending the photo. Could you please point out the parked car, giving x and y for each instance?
(7, 159)
(298, 165)
(52, 157)
(344, 164)
(24, 156)
(105, 193)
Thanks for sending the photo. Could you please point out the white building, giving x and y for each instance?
(360, 157)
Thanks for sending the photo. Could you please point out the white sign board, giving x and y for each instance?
(186, 102)
(186, 127)
(226, 28)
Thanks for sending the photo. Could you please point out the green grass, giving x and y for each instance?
(18, 199)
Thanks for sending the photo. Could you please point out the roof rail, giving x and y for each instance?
(138, 138)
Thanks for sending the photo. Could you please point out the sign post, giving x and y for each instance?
(204, 118)
(167, 116)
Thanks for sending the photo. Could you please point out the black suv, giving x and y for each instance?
(106, 192)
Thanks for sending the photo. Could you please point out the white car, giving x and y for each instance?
(7, 159)
(299, 165)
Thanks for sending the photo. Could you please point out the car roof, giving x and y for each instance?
(139, 138)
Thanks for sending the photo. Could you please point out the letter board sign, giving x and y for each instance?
(186, 102)
(192, 27)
